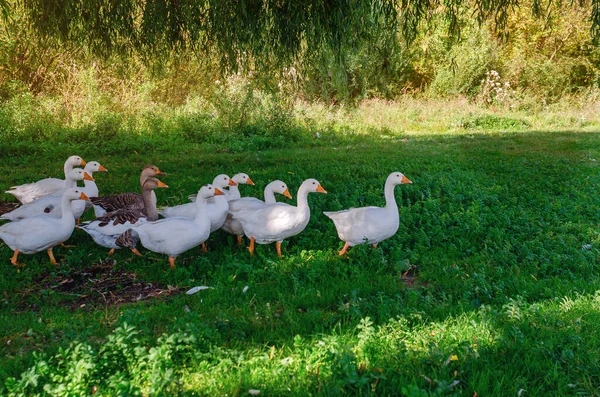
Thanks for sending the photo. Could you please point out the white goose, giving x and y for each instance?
(234, 226)
(172, 236)
(90, 189)
(102, 205)
(370, 225)
(51, 204)
(113, 229)
(276, 222)
(30, 191)
(217, 206)
(32, 235)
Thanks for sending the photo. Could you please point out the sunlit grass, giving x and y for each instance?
(499, 232)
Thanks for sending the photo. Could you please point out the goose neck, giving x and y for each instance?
(390, 198)
(67, 210)
(201, 209)
(302, 200)
(269, 196)
(149, 205)
(70, 183)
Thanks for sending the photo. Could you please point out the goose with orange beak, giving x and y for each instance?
(112, 230)
(370, 225)
(32, 191)
(234, 226)
(39, 233)
(104, 205)
(217, 207)
(50, 205)
(276, 222)
(175, 235)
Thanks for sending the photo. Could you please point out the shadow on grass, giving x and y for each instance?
(489, 218)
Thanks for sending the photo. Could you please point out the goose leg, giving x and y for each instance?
(204, 248)
(239, 238)
(13, 260)
(51, 255)
(67, 246)
(251, 247)
(111, 252)
(135, 251)
(172, 262)
(343, 251)
(374, 245)
(278, 245)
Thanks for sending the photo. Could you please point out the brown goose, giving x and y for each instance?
(103, 205)
(112, 230)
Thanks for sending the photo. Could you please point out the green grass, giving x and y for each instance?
(499, 227)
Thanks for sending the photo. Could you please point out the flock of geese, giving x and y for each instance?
(51, 209)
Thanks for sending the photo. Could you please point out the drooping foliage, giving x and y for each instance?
(258, 31)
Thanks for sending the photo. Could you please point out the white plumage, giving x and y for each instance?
(173, 236)
(234, 226)
(50, 205)
(32, 235)
(370, 224)
(276, 222)
(31, 191)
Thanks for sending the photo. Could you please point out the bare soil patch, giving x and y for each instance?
(7, 206)
(410, 277)
(100, 284)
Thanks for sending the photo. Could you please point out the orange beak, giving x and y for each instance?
(287, 193)
(249, 181)
(83, 162)
(159, 172)
(82, 196)
(87, 177)
(219, 192)
(160, 184)
(320, 189)
(101, 168)
(405, 180)
(232, 182)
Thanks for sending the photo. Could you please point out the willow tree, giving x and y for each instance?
(274, 31)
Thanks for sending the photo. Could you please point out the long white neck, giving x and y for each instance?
(201, 211)
(302, 202)
(390, 199)
(70, 183)
(68, 167)
(234, 193)
(91, 189)
(67, 211)
(269, 195)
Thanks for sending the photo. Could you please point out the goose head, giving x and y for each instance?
(397, 178)
(151, 170)
(242, 179)
(75, 161)
(312, 185)
(208, 191)
(153, 183)
(94, 166)
(222, 181)
(75, 194)
(280, 187)
(77, 174)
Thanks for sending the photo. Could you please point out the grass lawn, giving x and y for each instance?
(490, 287)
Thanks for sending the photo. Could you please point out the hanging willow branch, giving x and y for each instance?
(277, 31)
